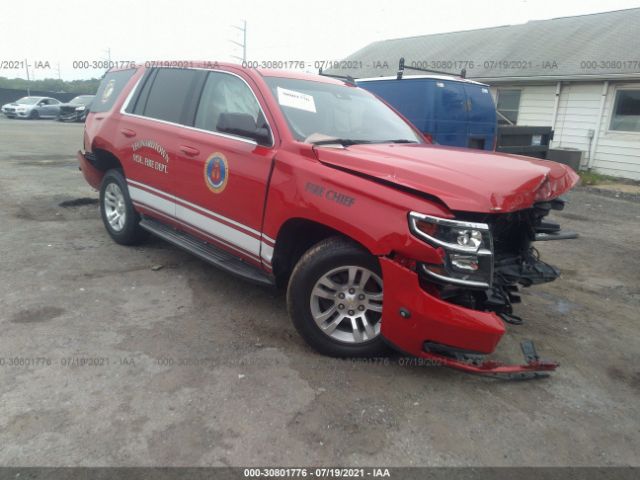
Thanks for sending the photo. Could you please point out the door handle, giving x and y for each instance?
(189, 151)
(128, 132)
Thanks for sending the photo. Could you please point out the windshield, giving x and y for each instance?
(317, 112)
(28, 100)
(82, 100)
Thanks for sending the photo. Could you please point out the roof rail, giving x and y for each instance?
(402, 66)
(348, 78)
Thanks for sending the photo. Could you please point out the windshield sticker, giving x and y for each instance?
(293, 99)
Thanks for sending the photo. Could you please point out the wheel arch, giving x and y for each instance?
(105, 160)
(295, 237)
(96, 163)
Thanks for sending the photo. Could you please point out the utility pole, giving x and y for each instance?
(243, 29)
(26, 65)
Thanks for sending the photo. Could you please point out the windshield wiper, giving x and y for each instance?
(345, 142)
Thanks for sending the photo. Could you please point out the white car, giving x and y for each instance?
(32, 107)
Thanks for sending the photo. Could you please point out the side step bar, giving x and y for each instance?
(207, 252)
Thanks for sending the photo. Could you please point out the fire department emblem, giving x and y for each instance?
(216, 172)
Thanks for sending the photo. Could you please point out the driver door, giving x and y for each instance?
(222, 177)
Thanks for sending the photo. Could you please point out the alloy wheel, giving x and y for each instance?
(346, 304)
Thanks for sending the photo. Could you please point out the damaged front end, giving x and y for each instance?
(484, 260)
(509, 260)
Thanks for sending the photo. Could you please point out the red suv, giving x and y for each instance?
(312, 184)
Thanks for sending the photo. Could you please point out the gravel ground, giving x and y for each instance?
(106, 359)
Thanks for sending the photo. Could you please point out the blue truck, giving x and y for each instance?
(450, 110)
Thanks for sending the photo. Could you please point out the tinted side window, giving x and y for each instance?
(109, 90)
(139, 100)
(225, 93)
(170, 93)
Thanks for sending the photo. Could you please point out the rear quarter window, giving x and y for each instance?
(172, 94)
(109, 90)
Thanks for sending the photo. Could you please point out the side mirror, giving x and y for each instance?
(243, 125)
(41, 103)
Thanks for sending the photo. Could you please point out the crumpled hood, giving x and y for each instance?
(465, 180)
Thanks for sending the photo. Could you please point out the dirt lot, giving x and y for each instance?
(106, 360)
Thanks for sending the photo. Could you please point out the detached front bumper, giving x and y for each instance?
(413, 317)
(424, 326)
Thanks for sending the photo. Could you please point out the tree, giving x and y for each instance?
(81, 87)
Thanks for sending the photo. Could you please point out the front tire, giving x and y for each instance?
(335, 299)
(34, 115)
(118, 215)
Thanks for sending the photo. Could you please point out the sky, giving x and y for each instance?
(61, 39)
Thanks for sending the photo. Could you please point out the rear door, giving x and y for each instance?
(222, 177)
(148, 137)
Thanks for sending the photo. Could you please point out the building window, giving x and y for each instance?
(626, 111)
(508, 105)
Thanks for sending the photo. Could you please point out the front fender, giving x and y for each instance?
(372, 214)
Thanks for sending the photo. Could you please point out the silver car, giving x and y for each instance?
(32, 107)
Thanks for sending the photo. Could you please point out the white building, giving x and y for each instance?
(580, 75)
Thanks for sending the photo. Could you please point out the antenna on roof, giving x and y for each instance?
(402, 66)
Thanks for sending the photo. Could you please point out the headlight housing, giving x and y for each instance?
(80, 108)
(466, 249)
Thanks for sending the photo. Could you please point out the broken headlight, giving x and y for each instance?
(466, 250)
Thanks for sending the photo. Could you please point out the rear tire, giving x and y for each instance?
(334, 299)
(118, 215)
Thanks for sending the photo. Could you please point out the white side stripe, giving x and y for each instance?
(228, 245)
(269, 239)
(204, 223)
(159, 203)
(266, 252)
(195, 207)
(217, 229)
